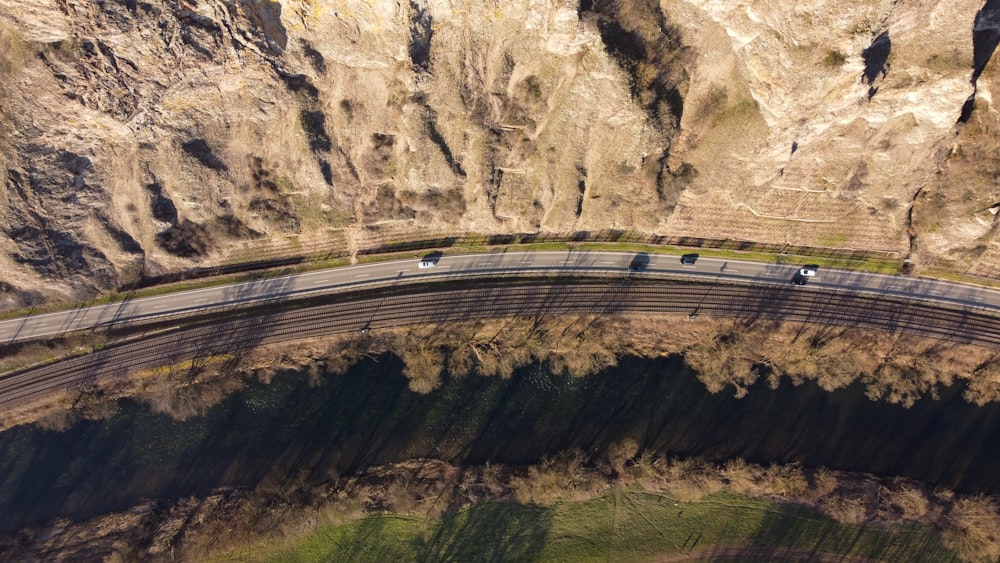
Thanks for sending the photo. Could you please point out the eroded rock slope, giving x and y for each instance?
(143, 137)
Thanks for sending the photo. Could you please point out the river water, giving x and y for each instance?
(368, 417)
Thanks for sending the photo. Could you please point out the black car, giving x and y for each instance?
(689, 259)
(639, 263)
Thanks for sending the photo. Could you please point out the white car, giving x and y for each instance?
(427, 263)
(804, 273)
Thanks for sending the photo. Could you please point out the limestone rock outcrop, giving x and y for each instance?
(141, 137)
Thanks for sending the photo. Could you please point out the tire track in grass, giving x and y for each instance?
(639, 509)
(614, 522)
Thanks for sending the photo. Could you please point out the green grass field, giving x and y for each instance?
(623, 525)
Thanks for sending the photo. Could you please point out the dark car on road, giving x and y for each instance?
(639, 263)
(689, 259)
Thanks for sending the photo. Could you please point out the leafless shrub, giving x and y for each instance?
(911, 369)
(645, 467)
(424, 364)
(621, 452)
(59, 420)
(845, 509)
(909, 501)
(558, 478)
(984, 383)
(972, 527)
(491, 478)
(582, 363)
(741, 477)
(824, 482)
(461, 360)
(399, 498)
(687, 480)
(829, 362)
(727, 359)
(184, 401)
(785, 480)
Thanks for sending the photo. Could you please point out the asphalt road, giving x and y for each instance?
(562, 262)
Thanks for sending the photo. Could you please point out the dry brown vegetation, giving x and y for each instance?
(645, 43)
(73, 409)
(201, 391)
(973, 525)
(954, 220)
(894, 367)
(560, 477)
(730, 358)
(576, 346)
(970, 524)
(984, 382)
(282, 507)
(20, 355)
(897, 368)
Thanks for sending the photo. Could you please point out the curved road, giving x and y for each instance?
(234, 334)
(477, 265)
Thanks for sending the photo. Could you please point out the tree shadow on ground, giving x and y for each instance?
(368, 417)
(793, 533)
(490, 532)
(370, 539)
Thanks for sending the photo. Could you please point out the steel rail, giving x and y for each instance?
(444, 303)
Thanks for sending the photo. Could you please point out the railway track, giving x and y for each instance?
(513, 297)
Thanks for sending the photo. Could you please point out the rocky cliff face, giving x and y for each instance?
(849, 113)
(141, 137)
